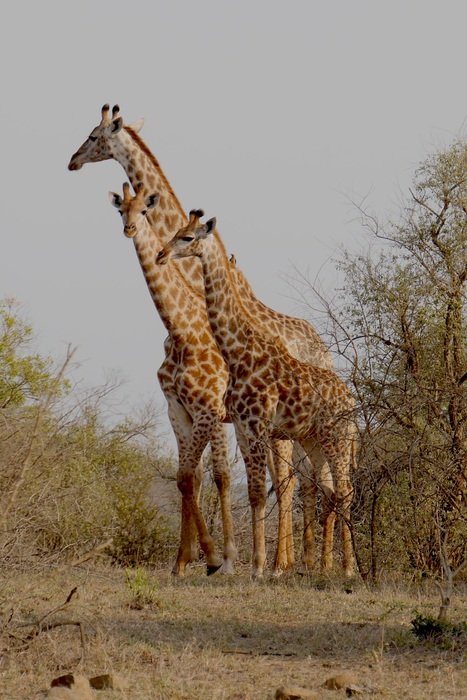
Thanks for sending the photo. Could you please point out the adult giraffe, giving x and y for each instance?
(112, 139)
(270, 394)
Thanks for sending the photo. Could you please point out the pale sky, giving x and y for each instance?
(268, 115)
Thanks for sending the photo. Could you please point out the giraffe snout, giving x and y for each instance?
(74, 164)
(129, 230)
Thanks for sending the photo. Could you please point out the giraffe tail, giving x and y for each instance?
(354, 448)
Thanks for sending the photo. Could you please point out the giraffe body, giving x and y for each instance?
(270, 394)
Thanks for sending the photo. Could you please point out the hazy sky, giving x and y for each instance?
(269, 115)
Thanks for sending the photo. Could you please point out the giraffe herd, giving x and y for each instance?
(230, 358)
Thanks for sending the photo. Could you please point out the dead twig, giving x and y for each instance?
(92, 552)
(41, 626)
(257, 653)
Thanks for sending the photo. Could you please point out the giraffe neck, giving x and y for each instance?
(168, 217)
(181, 309)
(231, 331)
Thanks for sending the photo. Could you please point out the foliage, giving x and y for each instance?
(143, 589)
(71, 480)
(427, 627)
(24, 376)
(399, 324)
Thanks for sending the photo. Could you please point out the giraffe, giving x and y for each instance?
(270, 394)
(196, 415)
(111, 139)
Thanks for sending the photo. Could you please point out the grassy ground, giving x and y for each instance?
(218, 638)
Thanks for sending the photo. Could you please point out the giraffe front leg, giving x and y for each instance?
(254, 452)
(222, 479)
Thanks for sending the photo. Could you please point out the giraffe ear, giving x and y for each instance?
(206, 229)
(116, 125)
(137, 125)
(211, 225)
(115, 200)
(152, 200)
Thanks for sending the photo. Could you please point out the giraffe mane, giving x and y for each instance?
(139, 141)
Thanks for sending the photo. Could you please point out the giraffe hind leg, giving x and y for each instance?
(316, 470)
(338, 453)
(192, 437)
(307, 492)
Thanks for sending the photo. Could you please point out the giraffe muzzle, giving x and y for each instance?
(74, 165)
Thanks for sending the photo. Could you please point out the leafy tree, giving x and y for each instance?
(399, 322)
(24, 375)
(70, 480)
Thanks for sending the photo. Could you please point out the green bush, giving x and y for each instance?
(69, 480)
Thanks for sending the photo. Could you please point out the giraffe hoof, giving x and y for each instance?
(212, 568)
(257, 576)
(280, 569)
(227, 568)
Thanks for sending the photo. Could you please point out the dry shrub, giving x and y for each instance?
(70, 477)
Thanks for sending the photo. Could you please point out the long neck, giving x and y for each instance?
(299, 338)
(231, 331)
(168, 217)
(180, 308)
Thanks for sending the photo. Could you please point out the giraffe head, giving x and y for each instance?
(188, 241)
(133, 210)
(98, 145)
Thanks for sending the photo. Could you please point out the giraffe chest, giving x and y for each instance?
(197, 379)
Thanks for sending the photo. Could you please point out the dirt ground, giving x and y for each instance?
(219, 638)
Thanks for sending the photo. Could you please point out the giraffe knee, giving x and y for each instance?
(186, 482)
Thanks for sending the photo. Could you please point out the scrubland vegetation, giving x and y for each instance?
(90, 501)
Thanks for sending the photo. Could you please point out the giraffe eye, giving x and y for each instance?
(120, 212)
(93, 138)
(144, 212)
(188, 239)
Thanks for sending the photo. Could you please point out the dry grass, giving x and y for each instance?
(218, 638)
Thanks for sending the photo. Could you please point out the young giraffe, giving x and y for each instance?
(112, 139)
(270, 394)
(196, 385)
